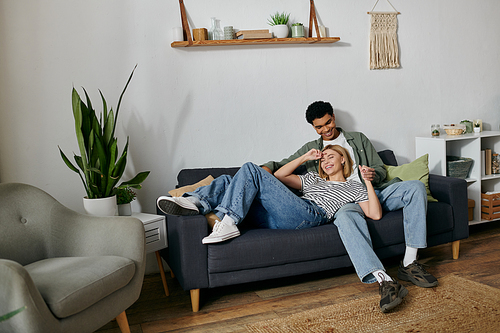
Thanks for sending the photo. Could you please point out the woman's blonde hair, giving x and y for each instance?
(345, 154)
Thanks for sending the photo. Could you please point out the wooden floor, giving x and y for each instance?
(229, 309)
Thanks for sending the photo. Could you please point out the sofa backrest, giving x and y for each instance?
(191, 176)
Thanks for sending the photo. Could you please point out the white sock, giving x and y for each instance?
(227, 220)
(410, 256)
(380, 275)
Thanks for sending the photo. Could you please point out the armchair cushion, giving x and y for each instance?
(69, 285)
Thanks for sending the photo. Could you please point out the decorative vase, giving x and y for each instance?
(125, 209)
(101, 207)
(280, 31)
(297, 31)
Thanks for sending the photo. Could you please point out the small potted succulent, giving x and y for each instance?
(279, 24)
(297, 30)
(477, 127)
(124, 196)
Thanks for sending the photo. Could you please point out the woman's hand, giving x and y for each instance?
(285, 173)
(313, 154)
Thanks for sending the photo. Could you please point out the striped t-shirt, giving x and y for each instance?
(331, 195)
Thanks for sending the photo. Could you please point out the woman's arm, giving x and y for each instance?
(372, 207)
(285, 173)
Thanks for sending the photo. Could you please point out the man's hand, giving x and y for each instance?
(367, 173)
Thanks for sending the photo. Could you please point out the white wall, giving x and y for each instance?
(223, 106)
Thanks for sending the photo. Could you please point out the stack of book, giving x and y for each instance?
(254, 34)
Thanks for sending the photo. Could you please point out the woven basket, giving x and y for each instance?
(458, 167)
(454, 131)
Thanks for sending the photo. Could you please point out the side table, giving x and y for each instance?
(156, 239)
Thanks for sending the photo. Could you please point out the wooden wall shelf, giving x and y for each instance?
(313, 23)
(324, 40)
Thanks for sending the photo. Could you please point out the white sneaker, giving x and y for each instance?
(221, 232)
(177, 206)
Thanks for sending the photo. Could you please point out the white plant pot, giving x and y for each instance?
(125, 209)
(101, 207)
(280, 30)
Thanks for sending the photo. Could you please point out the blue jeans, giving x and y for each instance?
(253, 190)
(411, 196)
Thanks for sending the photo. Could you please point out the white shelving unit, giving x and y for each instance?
(464, 145)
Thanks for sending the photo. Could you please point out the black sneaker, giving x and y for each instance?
(417, 274)
(391, 295)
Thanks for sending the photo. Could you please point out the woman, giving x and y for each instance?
(272, 205)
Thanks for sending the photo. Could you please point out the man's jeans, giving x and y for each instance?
(255, 191)
(353, 230)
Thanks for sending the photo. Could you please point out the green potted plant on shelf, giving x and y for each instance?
(279, 24)
(297, 30)
(124, 196)
(100, 163)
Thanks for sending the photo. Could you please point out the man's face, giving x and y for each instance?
(326, 127)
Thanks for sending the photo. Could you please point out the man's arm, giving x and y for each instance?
(272, 166)
(369, 156)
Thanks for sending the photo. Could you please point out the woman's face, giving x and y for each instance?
(331, 162)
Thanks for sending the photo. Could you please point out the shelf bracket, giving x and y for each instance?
(185, 24)
(313, 18)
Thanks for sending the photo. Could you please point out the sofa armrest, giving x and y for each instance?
(186, 255)
(452, 191)
(17, 289)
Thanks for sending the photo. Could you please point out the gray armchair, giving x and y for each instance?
(73, 272)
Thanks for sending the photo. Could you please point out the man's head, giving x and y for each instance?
(320, 116)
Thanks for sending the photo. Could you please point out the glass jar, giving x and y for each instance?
(215, 32)
(495, 164)
(435, 130)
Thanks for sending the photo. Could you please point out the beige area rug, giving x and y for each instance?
(456, 305)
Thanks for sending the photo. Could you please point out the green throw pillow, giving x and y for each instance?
(416, 170)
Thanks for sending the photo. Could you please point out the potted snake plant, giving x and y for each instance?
(100, 165)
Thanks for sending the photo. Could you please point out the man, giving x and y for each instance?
(409, 195)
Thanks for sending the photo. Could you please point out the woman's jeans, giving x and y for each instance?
(411, 196)
(256, 192)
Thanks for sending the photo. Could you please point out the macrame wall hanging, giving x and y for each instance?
(384, 49)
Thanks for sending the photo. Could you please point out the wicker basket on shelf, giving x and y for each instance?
(454, 129)
(458, 167)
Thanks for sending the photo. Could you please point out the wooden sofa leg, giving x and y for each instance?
(455, 248)
(195, 299)
(123, 322)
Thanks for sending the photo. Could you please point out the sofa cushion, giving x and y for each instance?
(211, 217)
(416, 170)
(70, 285)
(286, 246)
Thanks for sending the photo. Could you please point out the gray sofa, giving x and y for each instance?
(261, 254)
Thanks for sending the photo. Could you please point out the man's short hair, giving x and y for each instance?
(317, 110)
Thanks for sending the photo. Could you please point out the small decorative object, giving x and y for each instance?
(177, 34)
(279, 23)
(384, 48)
(124, 196)
(215, 32)
(478, 123)
(477, 129)
(100, 163)
(200, 34)
(454, 129)
(228, 32)
(298, 30)
(435, 130)
(495, 164)
(468, 126)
